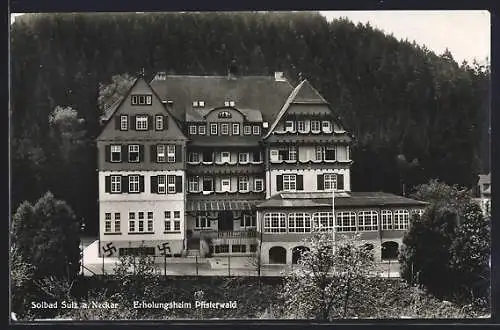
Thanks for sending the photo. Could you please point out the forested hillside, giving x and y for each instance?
(415, 115)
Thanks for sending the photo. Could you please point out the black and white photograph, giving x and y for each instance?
(314, 166)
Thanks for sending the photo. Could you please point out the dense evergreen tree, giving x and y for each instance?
(397, 97)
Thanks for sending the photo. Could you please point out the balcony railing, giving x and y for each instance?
(237, 234)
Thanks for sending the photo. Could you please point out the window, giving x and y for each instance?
(192, 129)
(247, 220)
(161, 184)
(289, 153)
(208, 156)
(213, 129)
(346, 221)
(327, 126)
(299, 223)
(133, 183)
(177, 225)
(159, 123)
(258, 184)
(167, 214)
(256, 130)
(133, 153)
(236, 129)
(225, 157)
(323, 221)
(131, 215)
(202, 130)
(224, 129)
(238, 248)
(315, 126)
(243, 157)
(301, 126)
(193, 184)
(243, 183)
(231, 103)
(202, 221)
(123, 122)
(325, 153)
(177, 214)
(289, 126)
(195, 104)
(171, 184)
(386, 218)
(201, 103)
(116, 183)
(107, 222)
(141, 222)
(150, 221)
(222, 248)
(131, 222)
(208, 184)
(194, 157)
(275, 155)
(367, 220)
(117, 223)
(141, 123)
(168, 225)
(226, 103)
(289, 182)
(292, 153)
(247, 130)
(116, 153)
(160, 153)
(141, 99)
(401, 219)
(225, 184)
(274, 223)
(253, 247)
(330, 181)
(171, 153)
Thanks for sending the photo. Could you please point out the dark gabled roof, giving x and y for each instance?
(308, 94)
(342, 199)
(263, 93)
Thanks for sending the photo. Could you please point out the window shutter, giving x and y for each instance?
(124, 153)
(107, 184)
(153, 154)
(151, 123)
(279, 182)
(141, 153)
(178, 184)
(117, 122)
(141, 183)
(165, 122)
(300, 182)
(340, 181)
(154, 184)
(132, 122)
(256, 156)
(178, 153)
(107, 153)
(124, 184)
(321, 182)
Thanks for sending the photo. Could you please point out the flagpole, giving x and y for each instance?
(334, 220)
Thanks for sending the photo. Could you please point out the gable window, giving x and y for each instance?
(368, 220)
(161, 184)
(256, 130)
(247, 130)
(236, 129)
(194, 157)
(202, 130)
(327, 126)
(123, 122)
(141, 100)
(159, 123)
(116, 153)
(289, 126)
(133, 153)
(323, 221)
(386, 218)
(301, 126)
(315, 126)
(171, 153)
(289, 182)
(401, 219)
(243, 157)
(299, 223)
(330, 181)
(192, 129)
(258, 184)
(116, 183)
(274, 222)
(133, 183)
(213, 129)
(243, 183)
(224, 114)
(346, 221)
(224, 129)
(160, 153)
(194, 184)
(225, 184)
(171, 184)
(225, 156)
(141, 123)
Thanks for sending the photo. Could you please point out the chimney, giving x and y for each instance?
(279, 76)
(232, 71)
